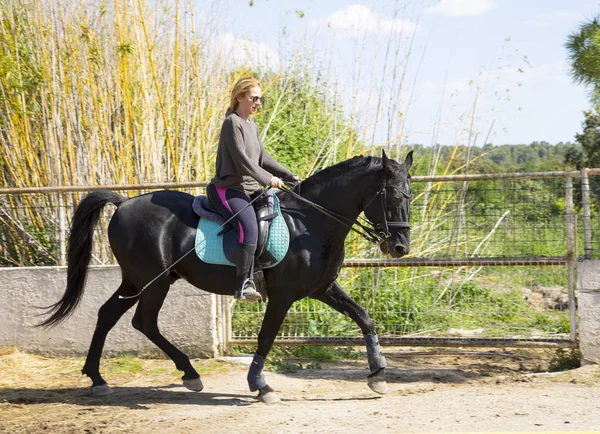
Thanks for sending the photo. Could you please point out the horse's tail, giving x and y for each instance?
(79, 252)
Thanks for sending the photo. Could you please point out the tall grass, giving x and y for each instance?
(98, 94)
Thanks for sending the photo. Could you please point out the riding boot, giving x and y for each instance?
(244, 264)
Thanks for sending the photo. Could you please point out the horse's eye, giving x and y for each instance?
(396, 199)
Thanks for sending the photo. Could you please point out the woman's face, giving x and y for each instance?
(249, 103)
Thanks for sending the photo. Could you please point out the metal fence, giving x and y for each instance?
(492, 260)
(492, 263)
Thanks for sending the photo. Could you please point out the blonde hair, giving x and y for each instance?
(242, 86)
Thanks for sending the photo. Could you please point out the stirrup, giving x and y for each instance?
(248, 292)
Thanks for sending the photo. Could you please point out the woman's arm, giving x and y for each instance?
(269, 163)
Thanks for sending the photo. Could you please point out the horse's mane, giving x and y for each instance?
(343, 171)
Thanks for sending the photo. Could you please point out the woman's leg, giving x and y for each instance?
(232, 202)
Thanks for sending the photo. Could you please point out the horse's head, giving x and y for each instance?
(389, 208)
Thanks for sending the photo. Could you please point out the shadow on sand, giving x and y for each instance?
(130, 397)
(393, 375)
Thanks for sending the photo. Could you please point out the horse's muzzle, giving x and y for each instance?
(399, 250)
(394, 249)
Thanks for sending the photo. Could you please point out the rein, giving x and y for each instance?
(376, 233)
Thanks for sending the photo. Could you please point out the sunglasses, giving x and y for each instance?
(258, 98)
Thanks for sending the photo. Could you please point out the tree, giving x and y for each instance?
(589, 139)
(584, 55)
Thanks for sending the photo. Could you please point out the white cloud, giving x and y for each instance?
(241, 51)
(555, 17)
(359, 18)
(461, 8)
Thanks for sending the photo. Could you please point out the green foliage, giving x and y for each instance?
(554, 323)
(583, 47)
(36, 245)
(534, 157)
(280, 364)
(20, 73)
(417, 300)
(589, 139)
(298, 121)
(324, 353)
(124, 364)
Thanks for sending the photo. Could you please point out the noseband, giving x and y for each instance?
(382, 227)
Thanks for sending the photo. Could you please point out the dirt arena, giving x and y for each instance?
(429, 391)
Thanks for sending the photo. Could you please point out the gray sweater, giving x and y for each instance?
(242, 162)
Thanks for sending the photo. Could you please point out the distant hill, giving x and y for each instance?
(534, 157)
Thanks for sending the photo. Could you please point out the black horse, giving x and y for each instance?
(149, 233)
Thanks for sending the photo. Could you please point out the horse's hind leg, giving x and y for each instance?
(146, 321)
(108, 315)
(335, 297)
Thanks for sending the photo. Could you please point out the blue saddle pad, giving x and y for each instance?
(210, 246)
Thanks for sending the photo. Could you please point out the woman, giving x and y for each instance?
(242, 167)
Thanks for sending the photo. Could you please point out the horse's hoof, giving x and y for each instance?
(378, 386)
(195, 384)
(377, 382)
(101, 390)
(268, 396)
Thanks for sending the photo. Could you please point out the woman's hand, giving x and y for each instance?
(296, 178)
(276, 182)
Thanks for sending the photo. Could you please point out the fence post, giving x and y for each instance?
(570, 232)
(224, 324)
(587, 221)
(62, 230)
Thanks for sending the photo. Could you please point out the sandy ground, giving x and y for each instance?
(429, 391)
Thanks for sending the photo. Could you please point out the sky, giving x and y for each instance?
(503, 60)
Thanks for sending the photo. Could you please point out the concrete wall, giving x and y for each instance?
(193, 320)
(189, 317)
(588, 297)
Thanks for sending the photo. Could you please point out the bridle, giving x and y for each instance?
(376, 232)
(382, 226)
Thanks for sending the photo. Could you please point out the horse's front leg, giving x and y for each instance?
(274, 316)
(335, 297)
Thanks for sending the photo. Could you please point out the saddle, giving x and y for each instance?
(270, 246)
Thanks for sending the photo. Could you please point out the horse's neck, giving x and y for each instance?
(343, 197)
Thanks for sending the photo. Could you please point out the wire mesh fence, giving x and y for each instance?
(516, 223)
(34, 226)
(499, 218)
(418, 304)
(521, 293)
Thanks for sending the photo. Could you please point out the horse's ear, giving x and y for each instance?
(408, 160)
(385, 160)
